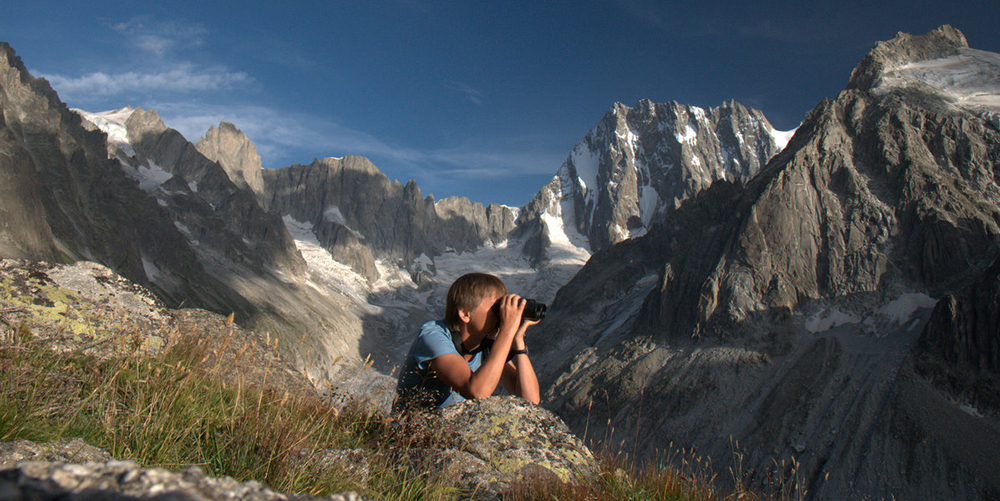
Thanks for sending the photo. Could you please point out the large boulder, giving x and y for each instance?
(488, 445)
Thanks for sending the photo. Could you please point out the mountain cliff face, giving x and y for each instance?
(959, 348)
(236, 154)
(783, 314)
(355, 210)
(63, 199)
(639, 163)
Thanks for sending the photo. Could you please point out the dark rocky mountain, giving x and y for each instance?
(784, 314)
(63, 199)
(639, 163)
(959, 348)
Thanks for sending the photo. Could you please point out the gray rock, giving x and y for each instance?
(228, 146)
(123, 480)
(903, 48)
(359, 215)
(69, 451)
(487, 444)
(959, 348)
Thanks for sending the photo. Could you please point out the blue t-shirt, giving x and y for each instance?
(419, 387)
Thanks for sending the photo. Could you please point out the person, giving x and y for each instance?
(478, 346)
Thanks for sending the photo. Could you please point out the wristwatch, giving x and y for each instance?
(515, 353)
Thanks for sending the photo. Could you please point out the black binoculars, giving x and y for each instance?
(533, 310)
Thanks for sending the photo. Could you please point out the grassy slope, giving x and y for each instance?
(189, 404)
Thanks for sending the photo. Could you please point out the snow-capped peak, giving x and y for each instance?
(112, 123)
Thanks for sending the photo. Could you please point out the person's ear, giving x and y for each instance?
(464, 315)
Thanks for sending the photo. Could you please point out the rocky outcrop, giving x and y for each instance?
(639, 163)
(959, 348)
(65, 200)
(783, 313)
(202, 197)
(89, 309)
(872, 194)
(228, 146)
(66, 451)
(489, 444)
(905, 48)
(235, 241)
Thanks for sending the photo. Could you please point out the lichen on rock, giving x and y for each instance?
(491, 443)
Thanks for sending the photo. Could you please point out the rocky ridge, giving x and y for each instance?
(783, 314)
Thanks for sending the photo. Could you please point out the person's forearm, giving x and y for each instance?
(527, 381)
(485, 379)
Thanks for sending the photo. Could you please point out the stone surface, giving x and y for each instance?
(360, 215)
(228, 146)
(87, 308)
(959, 348)
(67, 451)
(487, 444)
(124, 480)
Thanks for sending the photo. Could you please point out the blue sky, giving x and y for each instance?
(477, 99)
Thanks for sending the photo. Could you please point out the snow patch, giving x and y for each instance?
(333, 214)
(567, 247)
(781, 137)
(325, 271)
(828, 319)
(423, 263)
(689, 135)
(112, 123)
(186, 232)
(150, 177)
(901, 309)
(970, 410)
(152, 272)
(587, 164)
(969, 79)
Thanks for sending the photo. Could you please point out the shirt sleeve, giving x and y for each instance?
(433, 341)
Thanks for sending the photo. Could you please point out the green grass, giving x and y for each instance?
(170, 412)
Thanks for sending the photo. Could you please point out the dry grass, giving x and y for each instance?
(182, 408)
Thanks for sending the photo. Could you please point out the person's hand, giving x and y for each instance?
(511, 310)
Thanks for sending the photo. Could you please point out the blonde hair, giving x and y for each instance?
(466, 293)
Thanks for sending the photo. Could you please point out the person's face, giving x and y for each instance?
(483, 320)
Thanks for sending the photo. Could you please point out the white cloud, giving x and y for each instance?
(182, 77)
(161, 36)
